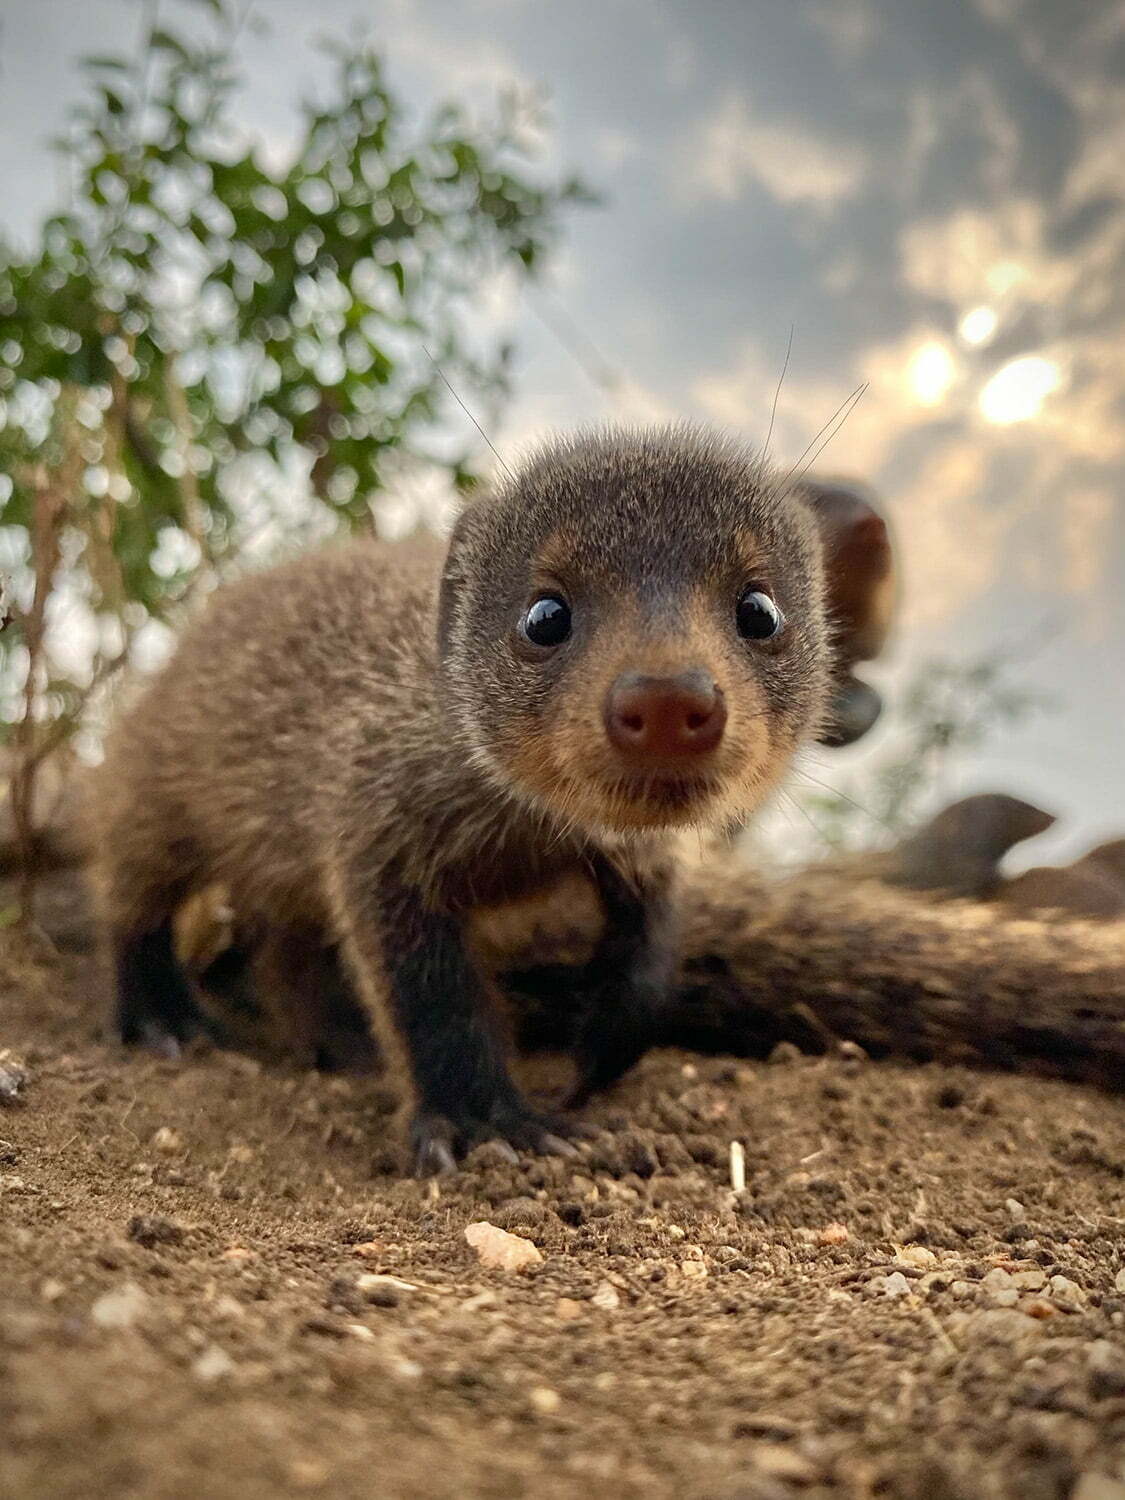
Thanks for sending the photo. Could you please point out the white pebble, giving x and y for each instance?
(213, 1364)
(606, 1297)
(120, 1308)
(499, 1250)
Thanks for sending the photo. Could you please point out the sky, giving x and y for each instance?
(929, 197)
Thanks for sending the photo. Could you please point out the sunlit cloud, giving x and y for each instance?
(1017, 391)
(792, 164)
(978, 325)
(931, 372)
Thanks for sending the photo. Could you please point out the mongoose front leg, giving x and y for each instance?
(435, 1008)
(154, 1004)
(626, 980)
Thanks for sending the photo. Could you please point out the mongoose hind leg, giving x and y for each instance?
(304, 989)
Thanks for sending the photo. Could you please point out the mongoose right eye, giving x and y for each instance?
(547, 622)
(757, 616)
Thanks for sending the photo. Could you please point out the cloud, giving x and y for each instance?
(795, 166)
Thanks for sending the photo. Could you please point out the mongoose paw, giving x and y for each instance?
(439, 1142)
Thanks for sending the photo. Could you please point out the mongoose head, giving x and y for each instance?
(632, 630)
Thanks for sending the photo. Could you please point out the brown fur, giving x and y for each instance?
(353, 751)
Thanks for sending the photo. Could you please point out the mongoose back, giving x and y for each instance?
(628, 637)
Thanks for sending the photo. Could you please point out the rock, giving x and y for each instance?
(784, 1055)
(1016, 1210)
(607, 1297)
(1065, 1293)
(544, 1400)
(120, 1308)
(167, 1141)
(916, 1255)
(213, 1364)
(151, 1230)
(13, 1081)
(997, 1280)
(1038, 1307)
(1030, 1281)
(833, 1234)
(51, 1289)
(384, 1291)
(499, 1250)
(1119, 1281)
(1107, 1370)
(567, 1309)
(896, 1285)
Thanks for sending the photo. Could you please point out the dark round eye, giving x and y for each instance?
(758, 617)
(547, 622)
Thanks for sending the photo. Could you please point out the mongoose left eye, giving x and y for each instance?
(757, 616)
(547, 621)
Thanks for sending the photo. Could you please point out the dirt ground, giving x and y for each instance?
(213, 1284)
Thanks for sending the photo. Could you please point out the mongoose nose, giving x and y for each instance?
(664, 718)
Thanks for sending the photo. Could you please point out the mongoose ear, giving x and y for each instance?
(453, 576)
(853, 710)
(860, 598)
(859, 569)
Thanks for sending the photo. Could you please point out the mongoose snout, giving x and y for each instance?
(655, 721)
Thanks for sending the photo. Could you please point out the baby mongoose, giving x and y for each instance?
(628, 637)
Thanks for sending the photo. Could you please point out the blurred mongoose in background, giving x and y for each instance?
(627, 638)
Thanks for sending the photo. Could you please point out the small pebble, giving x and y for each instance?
(1068, 1294)
(213, 1364)
(833, 1234)
(120, 1308)
(499, 1250)
(1119, 1281)
(607, 1297)
(51, 1289)
(567, 1309)
(544, 1400)
(13, 1081)
(916, 1255)
(151, 1230)
(167, 1140)
(1038, 1307)
(896, 1285)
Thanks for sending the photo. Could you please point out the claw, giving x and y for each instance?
(505, 1150)
(434, 1158)
(163, 1043)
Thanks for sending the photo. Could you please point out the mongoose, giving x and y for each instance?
(958, 851)
(628, 637)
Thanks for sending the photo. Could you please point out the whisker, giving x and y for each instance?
(777, 393)
(842, 412)
(843, 796)
(468, 413)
